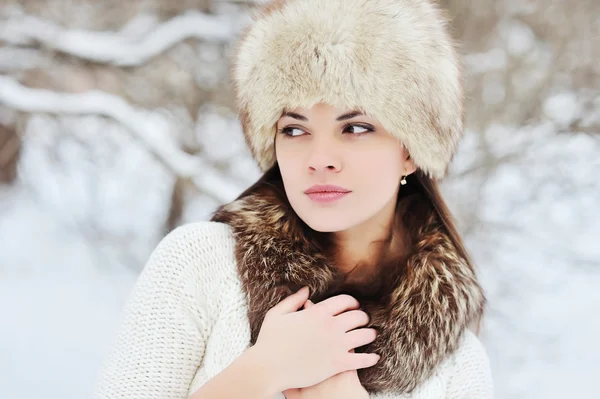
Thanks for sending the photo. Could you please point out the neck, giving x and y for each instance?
(361, 248)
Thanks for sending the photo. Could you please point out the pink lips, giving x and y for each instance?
(326, 193)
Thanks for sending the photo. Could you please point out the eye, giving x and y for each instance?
(358, 129)
(291, 131)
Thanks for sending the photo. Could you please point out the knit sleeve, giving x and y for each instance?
(161, 340)
(471, 377)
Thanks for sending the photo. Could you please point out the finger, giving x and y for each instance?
(360, 337)
(293, 393)
(308, 304)
(352, 319)
(291, 303)
(338, 304)
(357, 361)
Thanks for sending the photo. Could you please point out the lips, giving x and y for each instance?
(326, 189)
(326, 194)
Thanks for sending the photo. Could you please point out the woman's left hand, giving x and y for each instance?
(343, 385)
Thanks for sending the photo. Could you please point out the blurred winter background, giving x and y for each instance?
(117, 124)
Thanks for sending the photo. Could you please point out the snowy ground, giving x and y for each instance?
(59, 308)
(74, 234)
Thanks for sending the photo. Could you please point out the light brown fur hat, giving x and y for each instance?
(391, 59)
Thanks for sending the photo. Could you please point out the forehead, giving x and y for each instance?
(320, 110)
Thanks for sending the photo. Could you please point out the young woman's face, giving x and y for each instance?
(324, 146)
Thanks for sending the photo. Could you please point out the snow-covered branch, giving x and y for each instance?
(117, 48)
(152, 129)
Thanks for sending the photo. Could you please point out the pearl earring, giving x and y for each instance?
(403, 181)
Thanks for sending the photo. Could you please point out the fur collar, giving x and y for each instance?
(433, 294)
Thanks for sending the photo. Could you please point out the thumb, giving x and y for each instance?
(293, 302)
(308, 304)
(293, 393)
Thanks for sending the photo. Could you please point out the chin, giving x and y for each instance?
(327, 224)
(328, 219)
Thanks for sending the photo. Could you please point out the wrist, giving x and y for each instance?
(265, 370)
(362, 392)
(359, 392)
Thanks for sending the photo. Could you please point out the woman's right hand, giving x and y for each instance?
(308, 346)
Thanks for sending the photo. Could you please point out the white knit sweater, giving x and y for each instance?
(185, 321)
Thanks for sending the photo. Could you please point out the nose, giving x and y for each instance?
(324, 156)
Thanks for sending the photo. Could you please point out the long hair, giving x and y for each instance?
(425, 191)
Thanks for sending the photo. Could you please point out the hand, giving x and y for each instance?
(343, 385)
(288, 339)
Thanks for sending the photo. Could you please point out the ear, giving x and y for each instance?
(409, 165)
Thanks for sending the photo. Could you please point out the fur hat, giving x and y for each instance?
(391, 59)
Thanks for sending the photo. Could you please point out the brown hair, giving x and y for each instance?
(424, 188)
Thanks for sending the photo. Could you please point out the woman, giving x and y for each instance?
(353, 109)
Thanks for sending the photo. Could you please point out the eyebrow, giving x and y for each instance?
(339, 118)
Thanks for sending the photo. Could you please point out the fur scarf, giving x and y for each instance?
(428, 299)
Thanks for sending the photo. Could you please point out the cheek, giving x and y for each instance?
(280, 153)
(380, 168)
(287, 164)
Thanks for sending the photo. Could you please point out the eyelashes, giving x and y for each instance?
(287, 131)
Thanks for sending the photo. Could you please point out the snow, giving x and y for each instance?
(58, 300)
(519, 37)
(18, 59)
(563, 108)
(75, 231)
(540, 265)
(118, 48)
(493, 59)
